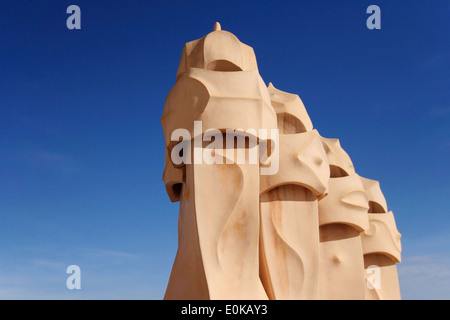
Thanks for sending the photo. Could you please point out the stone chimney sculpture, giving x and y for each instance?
(269, 209)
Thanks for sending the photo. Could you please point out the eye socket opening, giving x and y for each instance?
(337, 172)
(375, 207)
(223, 65)
(176, 189)
(289, 124)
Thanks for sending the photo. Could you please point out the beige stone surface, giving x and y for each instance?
(291, 112)
(346, 203)
(340, 163)
(341, 272)
(289, 243)
(312, 229)
(342, 217)
(381, 244)
(289, 239)
(224, 231)
(302, 162)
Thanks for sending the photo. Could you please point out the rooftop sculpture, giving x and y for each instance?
(296, 223)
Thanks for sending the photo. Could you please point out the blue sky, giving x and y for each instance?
(82, 150)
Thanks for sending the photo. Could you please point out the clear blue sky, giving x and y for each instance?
(82, 151)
